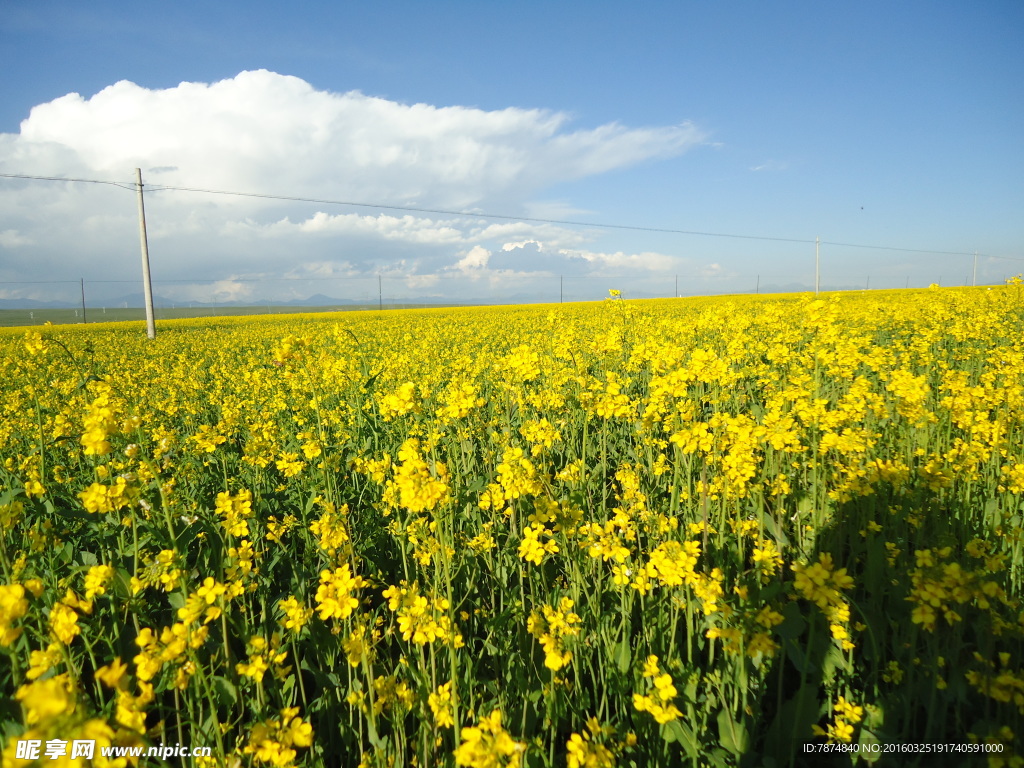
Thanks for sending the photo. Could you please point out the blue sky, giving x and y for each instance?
(890, 124)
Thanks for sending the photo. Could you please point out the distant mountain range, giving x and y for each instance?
(135, 300)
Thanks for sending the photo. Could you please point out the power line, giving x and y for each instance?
(563, 222)
(445, 212)
(432, 276)
(904, 250)
(412, 209)
(318, 278)
(122, 185)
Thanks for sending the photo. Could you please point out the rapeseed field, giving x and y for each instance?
(723, 532)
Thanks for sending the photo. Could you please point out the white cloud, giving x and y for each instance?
(222, 291)
(646, 261)
(414, 282)
(11, 238)
(473, 261)
(522, 244)
(715, 272)
(269, 133)
(405, 228)
(553, 236)
(770, 165)
(542, 257)
(322, 270)
(261, 131)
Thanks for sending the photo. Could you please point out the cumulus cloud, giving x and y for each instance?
(261, 128)
(473, 262)
(270, 133)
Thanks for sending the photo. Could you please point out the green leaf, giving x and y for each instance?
(87, 558)
(835, 659)
(678, 731)
(731, 735)
(225, 691)
(9, 495)
(176, 599)
(869, 740)
(623, 656)
(792, 724)
(66, 554)
(794, 624)
(120, 586)
(310, 503)
(690, 692)
(776, 532)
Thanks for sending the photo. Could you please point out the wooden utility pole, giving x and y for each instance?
(147, 285)
(975, 281)
(817, 265)
(82, 281)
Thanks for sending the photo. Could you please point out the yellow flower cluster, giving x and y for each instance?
(937, 585)
(418, 486)
(594, 748)
(273, 742)
(841, 729)
(263, 656)
(100, 422)
(489, 745)
(336, 595)
(551, 626)
(440, 702)
(235, 509)
(537, 543)
(100, 499)
(823, 585)
(421, 619)
(13, 606)
(661, 693)
(330, 529)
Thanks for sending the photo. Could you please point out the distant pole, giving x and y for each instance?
(867, 283)
(757, 288)
(82, 281)
(975, 281)
(817, 264)
(147, 285)
(380, 294)
(908, 283)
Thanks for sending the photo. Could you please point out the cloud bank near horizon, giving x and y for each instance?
(270, 133)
